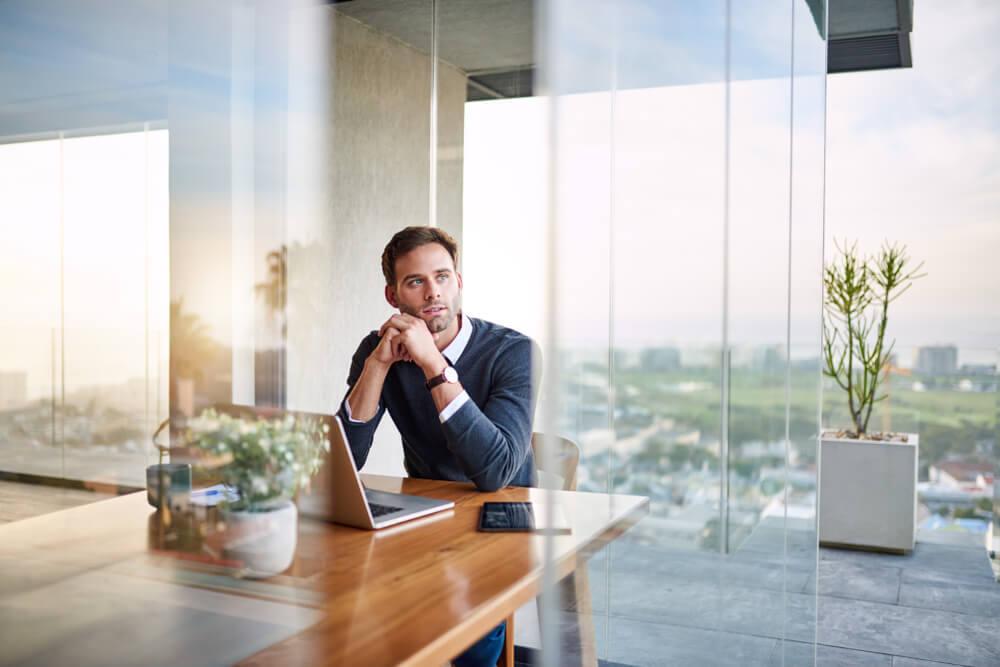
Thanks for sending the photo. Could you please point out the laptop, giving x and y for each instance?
(339, 496)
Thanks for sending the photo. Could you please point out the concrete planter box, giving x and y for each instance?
(868, 494)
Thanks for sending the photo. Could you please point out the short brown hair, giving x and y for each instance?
(406, 240)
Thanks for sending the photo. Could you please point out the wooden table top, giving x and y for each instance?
(414, 594)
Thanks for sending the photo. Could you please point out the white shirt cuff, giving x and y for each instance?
(452, 407)
(347, 409)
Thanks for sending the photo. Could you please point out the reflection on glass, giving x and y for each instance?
(92, 388)
(709, 369)
(248, 466)
(301, 137)
(29, 374)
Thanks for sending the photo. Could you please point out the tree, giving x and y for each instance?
(191, 348)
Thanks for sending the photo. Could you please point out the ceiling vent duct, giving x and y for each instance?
(867, 53)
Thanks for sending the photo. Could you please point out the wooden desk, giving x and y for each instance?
(414, 594)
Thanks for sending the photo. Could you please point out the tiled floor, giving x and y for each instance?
(938, 605)
(946, 606)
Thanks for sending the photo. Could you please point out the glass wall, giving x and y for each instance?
(941, 376)
(85, 346)
(686, 220)
(636, 185)
(84, 211)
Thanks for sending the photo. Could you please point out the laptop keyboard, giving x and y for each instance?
(382, 510)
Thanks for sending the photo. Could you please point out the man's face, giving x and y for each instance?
(428, 287)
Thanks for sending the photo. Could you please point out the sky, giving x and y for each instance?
(910, 158)
(913, 158)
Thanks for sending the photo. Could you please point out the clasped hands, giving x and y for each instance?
(407, 338)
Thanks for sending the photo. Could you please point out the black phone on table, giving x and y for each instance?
(504, 517)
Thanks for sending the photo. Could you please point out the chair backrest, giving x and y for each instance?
(563, 454)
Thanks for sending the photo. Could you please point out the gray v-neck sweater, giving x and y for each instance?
(488, 440)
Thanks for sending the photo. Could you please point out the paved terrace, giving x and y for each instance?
(938, 605)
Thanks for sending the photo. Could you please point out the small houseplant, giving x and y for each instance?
(266, 461)
(867, 480)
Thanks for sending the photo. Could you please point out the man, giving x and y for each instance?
(458, 389)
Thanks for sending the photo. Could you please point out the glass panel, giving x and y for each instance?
(620, 219)
(104, 290)
(669, 164)
(759, 180)
(359, 156)
(703, 246)
(926, 180)
(86, 84)
(805, 313)
(29, 370)
(107, 222)
(577, 78)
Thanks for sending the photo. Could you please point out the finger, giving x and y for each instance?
(401, 321)
(385, 325)
(388, 328)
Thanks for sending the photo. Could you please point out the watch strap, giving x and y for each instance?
(441, 378)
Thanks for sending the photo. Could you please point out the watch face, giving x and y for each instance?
(450, 374)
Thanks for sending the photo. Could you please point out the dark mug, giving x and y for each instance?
(168, 481)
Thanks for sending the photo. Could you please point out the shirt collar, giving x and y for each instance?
(457, 345)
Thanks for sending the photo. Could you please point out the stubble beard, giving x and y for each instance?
(441, 322)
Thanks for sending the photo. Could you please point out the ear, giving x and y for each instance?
(459, 279)
(390, 296)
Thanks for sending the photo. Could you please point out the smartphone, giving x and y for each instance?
(503, 517)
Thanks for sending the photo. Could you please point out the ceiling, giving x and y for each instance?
(493, 40)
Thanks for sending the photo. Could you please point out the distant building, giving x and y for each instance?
(937, 359)
(627, 358)
(660, 359)
(957, 472)
(768, 357)
(978, 369)
(13, 389)
(985, 482)
(699, 357)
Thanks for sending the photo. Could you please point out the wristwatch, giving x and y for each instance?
(449, 374)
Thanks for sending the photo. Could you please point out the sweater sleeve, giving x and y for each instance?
(491, 442)
(360, 435)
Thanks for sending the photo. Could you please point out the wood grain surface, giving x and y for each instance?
(414, 594)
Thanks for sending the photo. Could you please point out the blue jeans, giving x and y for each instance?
(486, 651)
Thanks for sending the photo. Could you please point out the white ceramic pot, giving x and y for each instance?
(263, 541)
(868, 493)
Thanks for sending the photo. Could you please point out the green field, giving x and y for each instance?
(950, 422)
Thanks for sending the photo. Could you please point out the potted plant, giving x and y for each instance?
(265, 462)
(868, 481)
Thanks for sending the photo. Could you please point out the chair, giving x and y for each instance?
(564, 458)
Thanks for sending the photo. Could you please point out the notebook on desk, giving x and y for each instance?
(339, 496)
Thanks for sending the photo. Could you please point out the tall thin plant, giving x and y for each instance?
(858, 291)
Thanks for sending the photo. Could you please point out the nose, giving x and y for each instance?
(431, 291)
